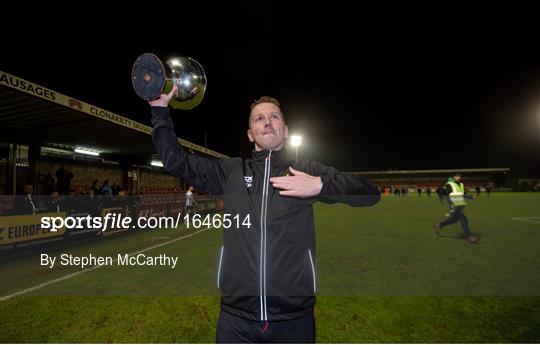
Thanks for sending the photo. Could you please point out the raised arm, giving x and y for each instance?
(204, 173)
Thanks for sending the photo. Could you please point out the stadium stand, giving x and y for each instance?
(42, 131)
(412, 180)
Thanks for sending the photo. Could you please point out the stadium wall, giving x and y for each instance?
(151, 178)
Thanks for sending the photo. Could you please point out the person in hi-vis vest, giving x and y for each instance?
(456, 195)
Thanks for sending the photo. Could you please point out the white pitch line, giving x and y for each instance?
(37, 287)
(527, 219)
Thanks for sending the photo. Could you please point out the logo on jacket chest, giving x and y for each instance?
(248, 180)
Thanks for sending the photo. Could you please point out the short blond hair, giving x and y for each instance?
(265, 99)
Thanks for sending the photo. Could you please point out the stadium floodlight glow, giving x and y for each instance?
(86, 151)
(296, 140)
(156, 164)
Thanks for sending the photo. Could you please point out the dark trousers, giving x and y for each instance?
(456, 215)
(234, 329)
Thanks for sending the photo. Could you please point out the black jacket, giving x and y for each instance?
(266, 271)
(25, 204)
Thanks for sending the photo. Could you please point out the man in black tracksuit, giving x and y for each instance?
(267, 268)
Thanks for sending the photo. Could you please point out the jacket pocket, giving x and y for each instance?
(312, 265)
(220, 266)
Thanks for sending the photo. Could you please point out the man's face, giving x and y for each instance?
(457, 178)
(267, 127)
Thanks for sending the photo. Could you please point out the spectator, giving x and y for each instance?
(63, 179)
(95, 187)
(47, 183)
(441, 194)
(190, 201)
(488, 190)
(54, 202)
(106, 189)
(25, 204)
(116, 188)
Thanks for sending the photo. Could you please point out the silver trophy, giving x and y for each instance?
(151, 77)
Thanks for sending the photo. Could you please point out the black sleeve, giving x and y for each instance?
(447, 190)
(338, 187)
(204, 173)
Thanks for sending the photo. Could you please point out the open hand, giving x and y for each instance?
(299, 184)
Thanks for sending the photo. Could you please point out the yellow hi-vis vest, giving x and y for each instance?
(457, 196)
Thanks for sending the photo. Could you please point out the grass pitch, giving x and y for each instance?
(383, 276)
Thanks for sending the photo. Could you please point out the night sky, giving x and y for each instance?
(367, 89)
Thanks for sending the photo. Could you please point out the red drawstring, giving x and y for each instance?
(265, 327)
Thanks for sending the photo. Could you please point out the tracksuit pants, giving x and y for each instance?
(234, 329)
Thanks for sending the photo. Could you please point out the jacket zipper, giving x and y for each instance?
(264, 206)
(312, 271)
(219, 267)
